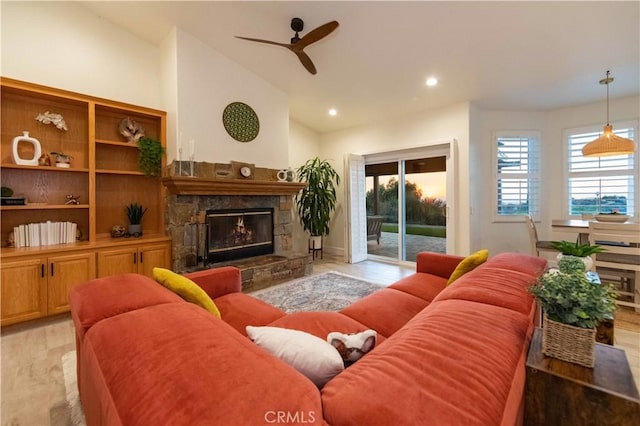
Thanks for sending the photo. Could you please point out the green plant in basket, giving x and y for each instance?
(571, 264)
(574, 300)
(150, 156)
(576, 249)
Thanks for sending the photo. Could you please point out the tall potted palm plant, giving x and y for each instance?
(317, 200)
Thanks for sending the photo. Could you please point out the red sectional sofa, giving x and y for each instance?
(445, 355)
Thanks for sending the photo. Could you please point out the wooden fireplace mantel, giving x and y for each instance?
(185, 185)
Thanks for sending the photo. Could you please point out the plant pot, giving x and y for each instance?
(315, 242)
(569, 343)
(135, 230)
(587, 260)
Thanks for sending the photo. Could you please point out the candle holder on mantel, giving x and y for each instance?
(184, 168)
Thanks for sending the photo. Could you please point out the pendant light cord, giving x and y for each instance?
(607, 83)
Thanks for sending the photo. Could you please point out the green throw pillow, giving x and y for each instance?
(468, 264)
(186, 289)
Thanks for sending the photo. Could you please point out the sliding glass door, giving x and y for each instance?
(406, 207)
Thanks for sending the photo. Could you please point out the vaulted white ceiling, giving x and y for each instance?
(528, 56)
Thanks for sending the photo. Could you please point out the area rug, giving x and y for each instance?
(329, 291)
(75, 416)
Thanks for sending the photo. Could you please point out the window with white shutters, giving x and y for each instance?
(600, 184)
(517, 174)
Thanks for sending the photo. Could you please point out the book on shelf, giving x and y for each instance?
(44, 234)
(12, 201)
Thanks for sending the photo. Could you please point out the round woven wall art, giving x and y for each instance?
(241, 122)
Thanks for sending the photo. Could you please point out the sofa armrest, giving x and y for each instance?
(217, 282)
(438, 264)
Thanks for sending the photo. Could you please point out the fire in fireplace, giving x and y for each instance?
(236, 234)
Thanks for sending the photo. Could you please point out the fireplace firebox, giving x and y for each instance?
(236, 234)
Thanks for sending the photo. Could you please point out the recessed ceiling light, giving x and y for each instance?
(333, 112)
(432, 81)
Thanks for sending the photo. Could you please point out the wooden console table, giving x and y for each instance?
(561, 393)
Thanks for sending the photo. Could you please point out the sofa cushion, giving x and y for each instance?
(186, 289)
(469, 263)
(240, 310)
(519, 262)
(320, 324)
(310, 355)
(422, 285)
(456, 362)
(493, 286)
(102, 298)
(385, 311)
(138, 359)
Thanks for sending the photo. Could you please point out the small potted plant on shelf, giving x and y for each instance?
(62, 160)
(135, 213)
(583, 251)
(572, 306)
(150, 156)
(317, 200)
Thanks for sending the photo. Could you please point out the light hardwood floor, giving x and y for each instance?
(33, 392)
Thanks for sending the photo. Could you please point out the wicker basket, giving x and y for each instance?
(569, 343)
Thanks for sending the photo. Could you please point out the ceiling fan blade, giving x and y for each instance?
(306, 61)
(265, 41)
(317, 34)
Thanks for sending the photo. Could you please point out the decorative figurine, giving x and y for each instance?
(51, 117)
(44, 160)
(117, 231)
(131, 130)
(72, 199)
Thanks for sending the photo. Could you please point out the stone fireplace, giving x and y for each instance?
(219, 209)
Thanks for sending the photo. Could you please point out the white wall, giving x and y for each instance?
(207, 82)
(503, 236)
(63, 45)
(420, 129)
(560, 120)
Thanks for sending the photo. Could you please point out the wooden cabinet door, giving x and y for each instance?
(65, 272)
(117, 261)
(151, 256)
(24, 290)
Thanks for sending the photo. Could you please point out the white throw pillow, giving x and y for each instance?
(310, 355)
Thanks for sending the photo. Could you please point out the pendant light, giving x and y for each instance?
(608, 143)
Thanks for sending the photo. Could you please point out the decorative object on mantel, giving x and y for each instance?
(135, 212)
(37, 150)
(131, 130)
(241, 122)
(608, 143)
(317, 200)
(285, 175)
(150, 156)
(573, 305)
(242, 170)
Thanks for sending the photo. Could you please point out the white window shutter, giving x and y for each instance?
(356, 228)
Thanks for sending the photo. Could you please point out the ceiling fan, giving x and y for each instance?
(298, 44)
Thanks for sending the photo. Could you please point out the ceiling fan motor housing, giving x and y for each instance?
(297, 25)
